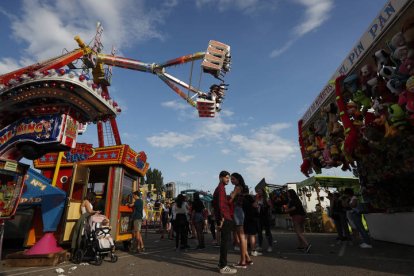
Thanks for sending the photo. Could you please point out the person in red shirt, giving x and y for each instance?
(224, 220)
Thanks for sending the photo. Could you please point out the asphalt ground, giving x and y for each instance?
(327, 257)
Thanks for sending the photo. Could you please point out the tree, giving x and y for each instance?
(154, 176)
(141, 180)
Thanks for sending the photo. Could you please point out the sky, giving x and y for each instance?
(283, 53)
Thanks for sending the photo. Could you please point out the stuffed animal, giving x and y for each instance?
(351, 83)
(354, 113)
(329, 162)
(408, 33)
(382, 58)
(397, 41)
(320, 127)
(331, 113)
(398, 47)
(409, 85)
(367, 73)
(397, 119)
(305, 168)
(351, 133)
(371, 131)
(406, 68)
(360, 98)
(387, 72)
(381, 92)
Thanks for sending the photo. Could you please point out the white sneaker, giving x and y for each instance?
(269, 249)
(227, 270)
(255, 253)
(365, 245)
(236, 248)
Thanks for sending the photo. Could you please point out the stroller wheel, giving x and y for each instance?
(77, 256)
(98, 260)
(114, 258)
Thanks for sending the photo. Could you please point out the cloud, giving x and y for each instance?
(8, 65)
(264, 150)
(183, 158)
(225, 151)
(212, 128)
(48, 27)
(129, 136)
(279, 51)
(226, 113)
(175, 105)
(216, 128)
(246, 6)
(171, 140)
(316, 13)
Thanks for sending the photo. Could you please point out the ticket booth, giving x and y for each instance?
(113, 173)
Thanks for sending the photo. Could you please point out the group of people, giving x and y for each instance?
(245, 215)
(345, 210)
(241, 213)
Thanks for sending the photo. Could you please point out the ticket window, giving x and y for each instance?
(99, 189)
(129, 184)
(98, 180)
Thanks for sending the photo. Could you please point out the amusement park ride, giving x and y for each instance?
(43, 108)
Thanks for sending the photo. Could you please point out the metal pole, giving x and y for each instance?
(58, 162)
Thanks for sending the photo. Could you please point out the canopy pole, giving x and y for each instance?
(55, 175)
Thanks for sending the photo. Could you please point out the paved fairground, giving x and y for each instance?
(327, 257)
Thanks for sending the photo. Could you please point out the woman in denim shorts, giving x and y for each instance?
(237, 197)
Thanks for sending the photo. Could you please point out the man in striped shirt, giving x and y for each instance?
(224, 220)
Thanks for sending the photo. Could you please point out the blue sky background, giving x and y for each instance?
(284, 52)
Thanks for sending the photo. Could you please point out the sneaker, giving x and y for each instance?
(227, 270)
(239, 265)
(307, 249)
(236, 248)
(365, 245)
(249, 262)
(269, 249)
(255, 253)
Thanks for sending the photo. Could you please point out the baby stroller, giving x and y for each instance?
(96, 242)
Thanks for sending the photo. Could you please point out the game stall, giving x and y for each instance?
(363, 122)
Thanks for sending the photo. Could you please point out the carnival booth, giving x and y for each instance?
(363, 121)
(113, 173)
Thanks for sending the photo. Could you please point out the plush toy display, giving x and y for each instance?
(370, 127)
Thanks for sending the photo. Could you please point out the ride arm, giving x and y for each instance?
(125, 63)
(181, 60)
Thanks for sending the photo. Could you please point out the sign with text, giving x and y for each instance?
(44, 129)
